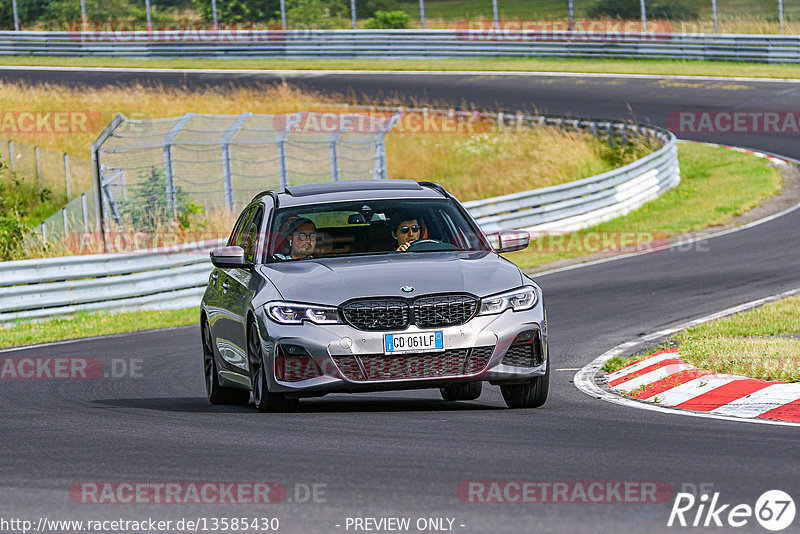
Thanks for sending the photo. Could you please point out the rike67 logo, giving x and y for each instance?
(774, 510)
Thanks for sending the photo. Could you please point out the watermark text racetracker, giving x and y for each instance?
(564, 492)
(194, 493)
(69, 368)
(734, 121)
(49, 122)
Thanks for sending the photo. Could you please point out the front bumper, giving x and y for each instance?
(353, 360)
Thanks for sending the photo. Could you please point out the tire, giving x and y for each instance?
(262, 398)
(529, 395)
(217, 394)
(462, 392)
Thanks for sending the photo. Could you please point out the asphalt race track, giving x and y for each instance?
(405, 454)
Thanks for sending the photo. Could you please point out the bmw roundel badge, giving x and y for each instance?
(407, 289)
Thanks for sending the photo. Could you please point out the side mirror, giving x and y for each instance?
(228, 257)
(509, 240)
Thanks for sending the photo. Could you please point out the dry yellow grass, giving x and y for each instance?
(471, 162)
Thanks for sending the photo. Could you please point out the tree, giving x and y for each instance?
(240, 10)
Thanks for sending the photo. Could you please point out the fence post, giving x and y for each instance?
(571, 14)
(38, 168)
(11, 155)
(44, 233)
(422, 13)
(353, 13)
(66, 228)
(780, 13)
(16, 15)
(83, 209)
(643, 4)
(97, 174)
(147, 12)
(168, 174)
(714, 11)
(283, 14)
(227, 178)
(214, 14)
(282, 173)
(494, 13)
(334, 159)
(84, 19)
(381, 170)
(66, 173)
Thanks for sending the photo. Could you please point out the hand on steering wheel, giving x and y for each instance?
(409, 245)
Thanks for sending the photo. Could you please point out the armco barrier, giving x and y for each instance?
(148, 279)
(176, 277)
(402, 44)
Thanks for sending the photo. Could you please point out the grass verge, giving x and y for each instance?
(86, 324)
(716, 185)
(664, 67)
(744, 344)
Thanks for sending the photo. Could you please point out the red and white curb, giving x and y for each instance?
(591, 381)
(772, 157)
(665, 379)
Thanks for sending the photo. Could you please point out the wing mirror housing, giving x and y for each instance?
(229, 258)
(509, 240)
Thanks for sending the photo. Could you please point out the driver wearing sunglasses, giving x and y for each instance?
(406, 228)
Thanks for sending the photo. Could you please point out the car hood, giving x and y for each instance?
(332, 281)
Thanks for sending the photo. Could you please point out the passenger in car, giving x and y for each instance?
(302, 240)
(406, 228)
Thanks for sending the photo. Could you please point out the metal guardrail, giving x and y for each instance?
(149, 279)
(176, 277)
(403, 44)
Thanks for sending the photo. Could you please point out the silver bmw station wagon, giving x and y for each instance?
(374, 285)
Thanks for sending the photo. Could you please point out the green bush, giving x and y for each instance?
(149, 209)
(317, 14)
(22, 206)
(61, 13)
(631, 10)
(367, 8)
(240, 10)
(391, 20)
(28, 11)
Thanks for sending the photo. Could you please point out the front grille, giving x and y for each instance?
(377, 314)
(445, 310)
(454, 362)
(396, 314)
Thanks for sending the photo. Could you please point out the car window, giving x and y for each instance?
(239, 230)
(252, 237)
(366, 227)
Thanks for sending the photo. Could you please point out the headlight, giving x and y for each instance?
(292, 313)
(518, 300)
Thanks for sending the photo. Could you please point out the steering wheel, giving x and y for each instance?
(424, 244)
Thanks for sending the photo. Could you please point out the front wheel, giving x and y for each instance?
(218, 394)
(262, 398)
(528, 395)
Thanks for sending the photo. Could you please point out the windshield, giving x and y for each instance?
(371, 227)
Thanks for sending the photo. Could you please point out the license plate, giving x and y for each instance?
(413, 342)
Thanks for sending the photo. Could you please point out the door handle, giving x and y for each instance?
(225, 287)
